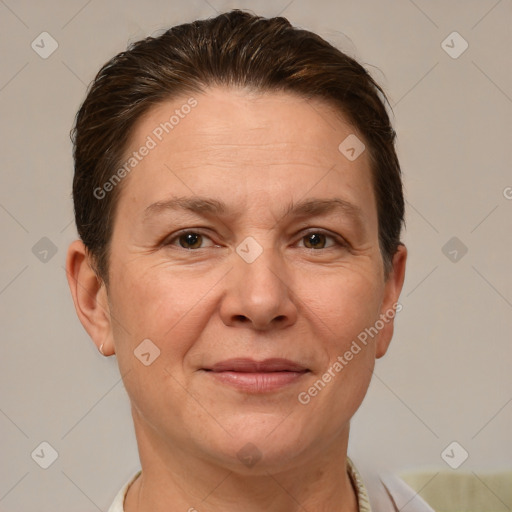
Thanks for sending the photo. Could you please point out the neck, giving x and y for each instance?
(174, 477)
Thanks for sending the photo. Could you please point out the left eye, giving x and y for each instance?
(318, 237)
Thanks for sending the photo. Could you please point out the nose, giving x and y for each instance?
(259, 294)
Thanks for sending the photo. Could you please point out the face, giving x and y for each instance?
(254, 284)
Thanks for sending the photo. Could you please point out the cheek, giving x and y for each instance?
(346, 305)
(162, 304)
(154, 304)
(346, 309)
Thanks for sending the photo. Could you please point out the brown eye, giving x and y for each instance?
(187, 240)
(314, 240)
(317, 240)
(190, 239)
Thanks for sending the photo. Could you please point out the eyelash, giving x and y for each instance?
(337, 241)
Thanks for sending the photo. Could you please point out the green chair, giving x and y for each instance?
(468, 491)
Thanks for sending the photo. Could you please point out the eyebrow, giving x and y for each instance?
(211, 207)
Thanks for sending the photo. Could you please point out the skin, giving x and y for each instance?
(303, 299)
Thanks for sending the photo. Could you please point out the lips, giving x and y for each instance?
(252, 366)
(250, 376)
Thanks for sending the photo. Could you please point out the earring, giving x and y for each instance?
(101, 349)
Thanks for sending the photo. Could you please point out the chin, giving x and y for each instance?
(256, 450)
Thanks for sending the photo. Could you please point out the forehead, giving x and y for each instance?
(232, 143)
(228, 119)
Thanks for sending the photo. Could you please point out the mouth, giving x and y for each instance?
(257, 376)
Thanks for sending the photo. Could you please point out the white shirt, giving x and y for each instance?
(391, 494)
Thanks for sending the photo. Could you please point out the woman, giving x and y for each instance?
(239, 204)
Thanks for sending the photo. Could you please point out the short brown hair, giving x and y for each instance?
(235, 48)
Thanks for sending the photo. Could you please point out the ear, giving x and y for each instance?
(390, 306)
(89, 296)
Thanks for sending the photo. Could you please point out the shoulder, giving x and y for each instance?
(400, 494)
(387, 492)
(118, 503)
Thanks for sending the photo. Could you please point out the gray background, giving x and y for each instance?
(447, 376)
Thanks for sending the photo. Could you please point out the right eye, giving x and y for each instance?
(188, 240)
